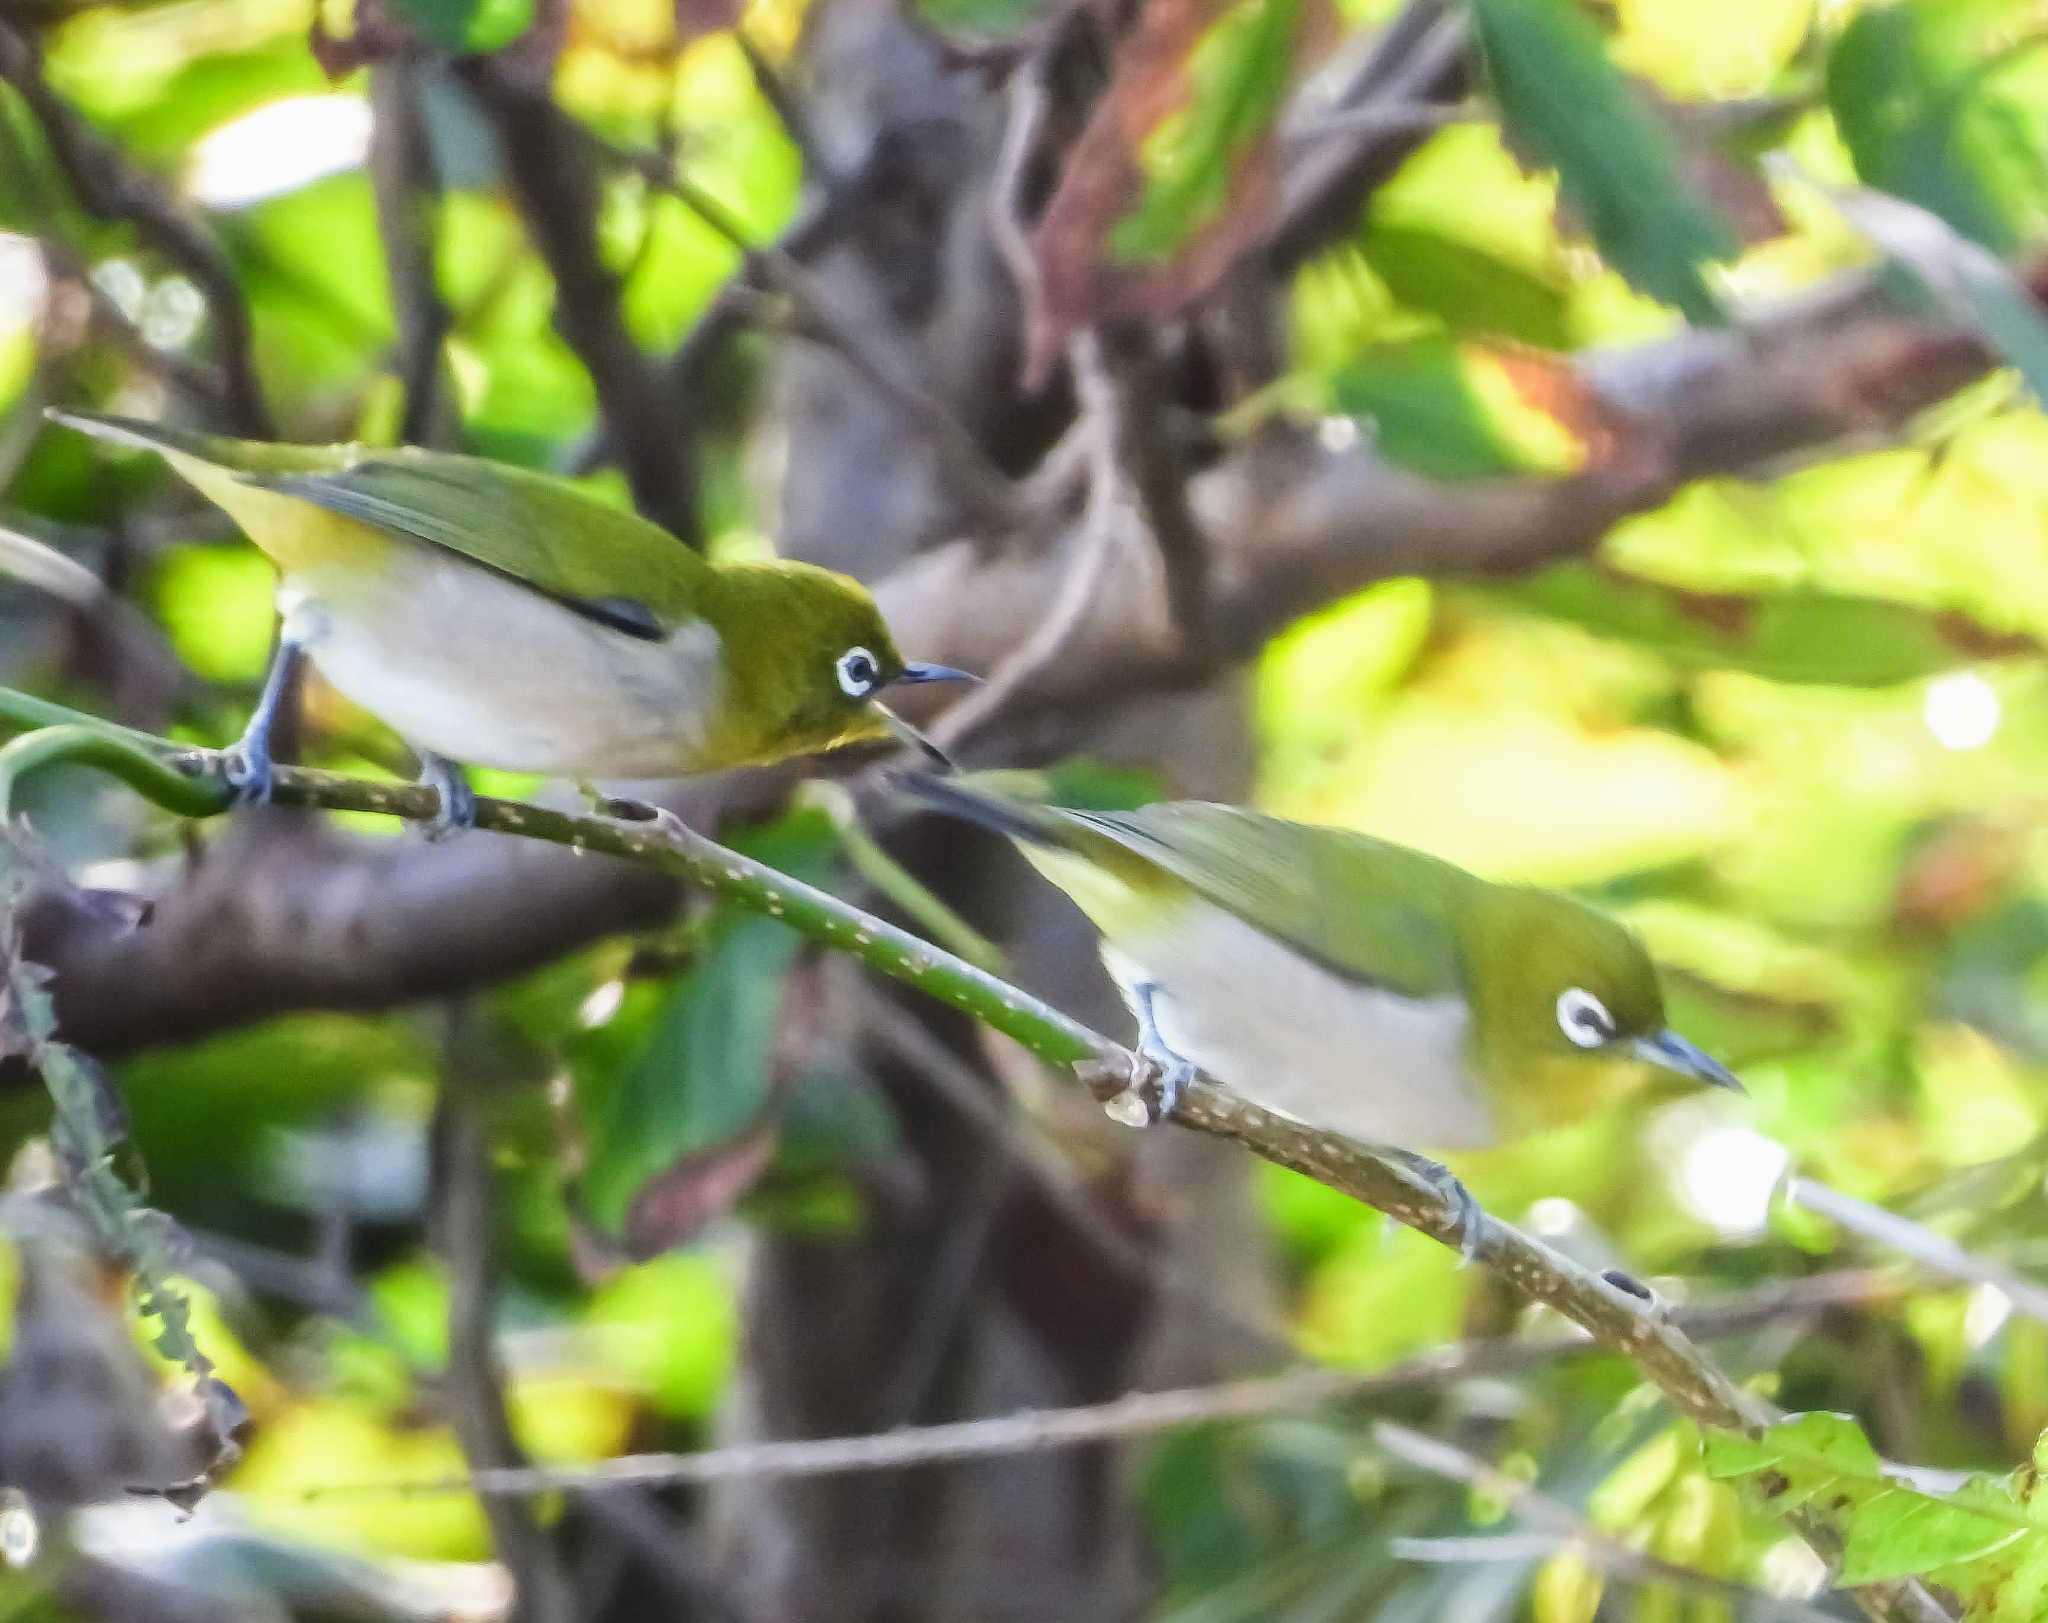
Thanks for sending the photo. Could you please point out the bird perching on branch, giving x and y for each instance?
(501, 617)
(1351, 984)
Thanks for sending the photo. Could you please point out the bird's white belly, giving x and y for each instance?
(480, 670)
(1288, 1034)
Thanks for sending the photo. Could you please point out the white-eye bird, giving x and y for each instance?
(496, 616)
(1349, 983)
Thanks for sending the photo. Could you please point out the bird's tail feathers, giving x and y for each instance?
(132, 431)
(255, 461)
(974, 800)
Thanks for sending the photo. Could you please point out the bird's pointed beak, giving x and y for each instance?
(917, 671)
(1670, 1052)
(912, 736)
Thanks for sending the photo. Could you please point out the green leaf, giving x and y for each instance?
(1787, 636)
(700, 1083)
(1618, 165)
(468, 27)
(1940, 102)
(1890, 1530)
(1471, 290)
(1424, 409)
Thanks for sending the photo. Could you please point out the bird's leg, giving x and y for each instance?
(1176, 1070)
(457, 810)
(246, 763)
(1451, 1189)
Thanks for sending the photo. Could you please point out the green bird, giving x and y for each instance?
(500, 617)
(1349, 983)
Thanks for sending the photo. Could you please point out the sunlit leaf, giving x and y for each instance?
(1790, 636)
(1618, 165)
(1443, 410)
(1890, 1530)
(1940, 102)
(1474, 291)
(687, 1128)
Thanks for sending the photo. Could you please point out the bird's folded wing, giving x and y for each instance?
(541, 532)
(1362, 908)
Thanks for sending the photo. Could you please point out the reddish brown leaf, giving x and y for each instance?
(1560, 391)
(674, 1205)
(1080, 282)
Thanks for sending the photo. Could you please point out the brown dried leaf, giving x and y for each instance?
(1103, 180)
(675, 1205)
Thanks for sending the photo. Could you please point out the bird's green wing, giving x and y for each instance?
(1360, 907)
(540, 531)
(529, 527)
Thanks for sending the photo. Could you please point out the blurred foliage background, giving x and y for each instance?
(1791, 722)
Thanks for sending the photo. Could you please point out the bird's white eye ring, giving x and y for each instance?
(859, 673)
(1583, 1018)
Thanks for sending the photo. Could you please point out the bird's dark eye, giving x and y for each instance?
(859, 673)
(1583, 1018)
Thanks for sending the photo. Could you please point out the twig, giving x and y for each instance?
(1024, 120)
(796, 123)
(685, 375)
(1553, 1516)
(997, 1115)
(1616, 1318)
(1117, 374)
(461, 1232)
(1079, 596)
(1937, 1253)
(547, 160)
(1136, 1414)
(204, 385)
(945, 1289)
(977, 480)
(1419, 59)
(407, 189)
(113, 189)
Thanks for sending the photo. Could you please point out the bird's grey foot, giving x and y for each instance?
(246, 766)
(1454, 1194)
(1175, 1070)
(246, 763)
(457, 810)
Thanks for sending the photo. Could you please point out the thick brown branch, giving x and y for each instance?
(274, 918)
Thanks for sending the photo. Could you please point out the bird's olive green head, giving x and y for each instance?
(807, 658)
(1566, 1002)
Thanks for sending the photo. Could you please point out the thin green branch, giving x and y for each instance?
(145, 769)
(1636, 1328)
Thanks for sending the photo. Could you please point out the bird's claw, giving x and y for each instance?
(246, 767)
(1158, 1095)
(1450, 1189)
(1172, 1077)
(456, 811)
